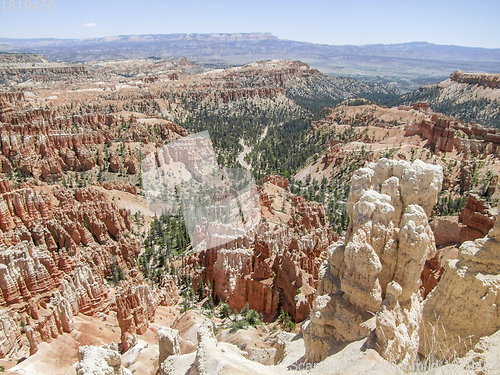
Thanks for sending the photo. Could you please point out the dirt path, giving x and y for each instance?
(248, 149)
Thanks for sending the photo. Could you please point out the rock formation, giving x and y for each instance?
(208, 354)
(169, 344)
(446, 134)
(103, 359)
(477, 218)
(115, 185)
(210, 357)
(168, 293)
(251, 268)
(282, 346)
(446, 230)
(136, 307)
(463, 306)
(56, 250)
(10, 337)
(19, 67)
(431, 274)
(335, 155)
(481, 79)
(46, 142)
(475, 221)
(277, 180)
(371, 281)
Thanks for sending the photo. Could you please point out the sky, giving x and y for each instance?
(472, 23)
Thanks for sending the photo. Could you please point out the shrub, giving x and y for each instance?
(290, 326)
(225, 311)
(238, 324)
(253, 318)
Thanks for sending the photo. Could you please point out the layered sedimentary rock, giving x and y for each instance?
(103, 359)
(463, 306)
(136, 306)
(10, 337)
(446, 230)
(277, 180)
(253, 268)
(115, 185)
(481, 79)
(55, 250)
(46, 142)
(475, 221)
(335, 155)
(446, 134)
(477, 218)
(372, 280)
(168, 293)
(431, 274)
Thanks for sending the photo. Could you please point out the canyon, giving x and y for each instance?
(390, 217)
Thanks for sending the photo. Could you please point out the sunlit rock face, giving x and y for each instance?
(463, 306)
(371, 281)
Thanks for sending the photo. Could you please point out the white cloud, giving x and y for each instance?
(89, 24)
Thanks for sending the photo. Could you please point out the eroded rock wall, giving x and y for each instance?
(447, 134)
(136, 306)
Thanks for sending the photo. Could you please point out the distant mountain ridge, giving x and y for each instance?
(408, 64)
(415, 50)
(151, 38)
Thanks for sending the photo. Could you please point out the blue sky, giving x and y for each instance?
(468, 23)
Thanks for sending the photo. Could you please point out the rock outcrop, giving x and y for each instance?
(283, 340)
(277, 180)
(209, 355)
(431, 274)
(447, 230)
(252, 268)
(335, 155)
(371, 282)
(477, 218)
(169, 343)
(56, 248)
(447, 134)
(213, 357)
(46, 142)
(136, 306)
(10, 337)
(475, 221)
(103, 359)
(481, 79)
(463, 306)
(17, 68)
(168, 293)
